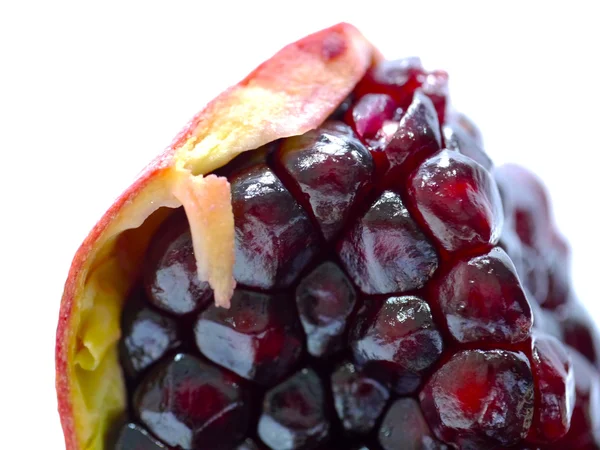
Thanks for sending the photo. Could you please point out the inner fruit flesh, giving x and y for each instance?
(395, 291)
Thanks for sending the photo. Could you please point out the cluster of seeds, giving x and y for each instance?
(395, 291)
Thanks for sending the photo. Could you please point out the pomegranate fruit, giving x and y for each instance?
(326, 258)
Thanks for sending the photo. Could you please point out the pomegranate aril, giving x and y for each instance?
(558, 262)
(545, 321)
(579, 331)
(171, 278)
(275, 238)
(134, 437)
(480, 399)
(398, 338)
(458, 139)
(293, 415)
(331, 169)
(370, 113)
(325, 299)
(146, 337)
(534, 273)
(258, 337)
(435, 86)
(417, 137)
(554, 389)
(482, 299)
(458, 201)
(385, 251)
(189, 403)
(585, 423)
(359, 399)
(399, 79)
(526, 203)
(404, 427)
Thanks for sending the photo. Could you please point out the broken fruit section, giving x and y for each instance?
(373, 282)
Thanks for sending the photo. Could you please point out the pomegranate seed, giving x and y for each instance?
(146, 337)
(528, 203)
(579, 331)
(191, 404)
(458, 139)
(171, 277)
(258, 337)
(482, 299)
(459, 201)
(435, 87)
(370, 113)
(385, 251)
(405, 428)
(325, 299)
(293, 413)
(400, 338)
(358, 398)
(585, 422)
(275, 239)
(417, 137)
(331, 169)
(399, 79)
(554, 389)
(480, 399)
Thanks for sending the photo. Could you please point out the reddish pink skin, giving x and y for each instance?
(339, 41)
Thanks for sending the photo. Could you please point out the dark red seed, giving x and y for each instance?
(399, 338)
(293, 415)
(435, 86)
(331, 170)
(480, 399)
(534, 273)
(171, 277)
(325, 299)
(188, 403)
(275, 239)
(146, 337)
(385, 251)
(527, 204)
(585, 423)
(469, 127)
(399, 79)
(554, 389)
(482, 299)
(579, 330)
(404, 427)
(458, 200)
(370, 113)
(359, 399)
(417, 137)
(134, 437)
(458, 139)
(545, 321)
(258, 337)
(558, 259)
(511, 244)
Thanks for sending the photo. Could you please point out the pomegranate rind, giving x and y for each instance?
(290, 94)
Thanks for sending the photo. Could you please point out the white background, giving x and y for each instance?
(90, 91)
